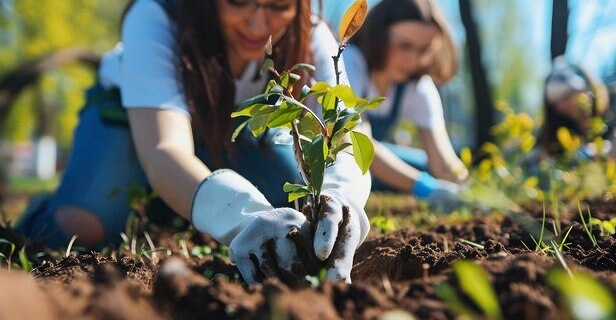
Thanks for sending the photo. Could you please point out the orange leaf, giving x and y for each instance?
(353, 19)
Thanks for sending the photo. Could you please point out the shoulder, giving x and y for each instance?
(424, 86)
(146, 13)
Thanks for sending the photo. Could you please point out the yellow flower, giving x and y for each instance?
(531, 182)
(528, 142)
(466, 156)
(525, 121)
(568, 141)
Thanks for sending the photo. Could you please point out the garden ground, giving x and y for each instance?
(406, 273)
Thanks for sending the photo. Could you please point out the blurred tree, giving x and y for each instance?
(481, 88)
(31, 29)
(560, 18)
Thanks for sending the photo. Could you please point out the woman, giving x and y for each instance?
(573, 99)
(180, 69)
(402, 49)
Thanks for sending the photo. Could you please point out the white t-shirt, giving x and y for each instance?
(144, 64)
(421, 102)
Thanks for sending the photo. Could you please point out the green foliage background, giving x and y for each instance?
(31, 28)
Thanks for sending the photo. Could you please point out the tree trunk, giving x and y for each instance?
(481, 88)
(560, 20)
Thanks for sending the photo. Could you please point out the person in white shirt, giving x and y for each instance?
(401, 50)
(179, 71)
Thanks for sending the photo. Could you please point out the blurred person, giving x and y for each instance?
(577, 101)
(403, 49)
(179, 71)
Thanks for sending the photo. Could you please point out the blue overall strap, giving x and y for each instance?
(382, 124)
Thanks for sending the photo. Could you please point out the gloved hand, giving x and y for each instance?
(441, 195)
(341, 222)
(263, 241)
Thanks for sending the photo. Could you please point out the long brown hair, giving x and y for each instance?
(373, 37)
(205, 72)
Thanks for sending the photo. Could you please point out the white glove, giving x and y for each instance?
(342, 224)
(263, 241)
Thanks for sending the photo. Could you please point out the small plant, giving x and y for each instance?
(550, 246)
(474, 282)
(318, 280)
(316, 142)
(586, 225)
(383, 224)
(138, 198)
(472, 244)
(606, 227)
(70, 245)
(9, 255)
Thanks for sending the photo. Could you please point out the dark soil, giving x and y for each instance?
(396, 271)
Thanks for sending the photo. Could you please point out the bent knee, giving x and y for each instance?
(82, 223)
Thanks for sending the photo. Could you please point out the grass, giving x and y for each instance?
(30, 185)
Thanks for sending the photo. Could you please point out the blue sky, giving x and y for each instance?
(592, 26)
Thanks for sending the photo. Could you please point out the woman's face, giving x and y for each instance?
(247, 25)
(412, 45)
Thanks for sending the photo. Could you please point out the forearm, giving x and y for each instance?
(165, 147)
(174, 176)
(443, 161)
(391, 170)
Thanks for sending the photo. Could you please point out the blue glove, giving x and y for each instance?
(441, 195)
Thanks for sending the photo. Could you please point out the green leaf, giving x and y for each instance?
(267, 64)
(258, 123)
(453, 302)
(249, 111)
(284, 114)
(363, 150)
(284, 80)
(347, 120)
(304, 66)
(238, 130)
(320, 87)
(288, 79)
(335, 149)
(315, 153)
(586, 297)
(23, 260)
(275, 91)
(346, 95)
(608, 227)
(270, 85)
(328, 101)
(369, 105)
(309, 126)
(268, 46)
(296, 191)
(272, 99)
(475, 283)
